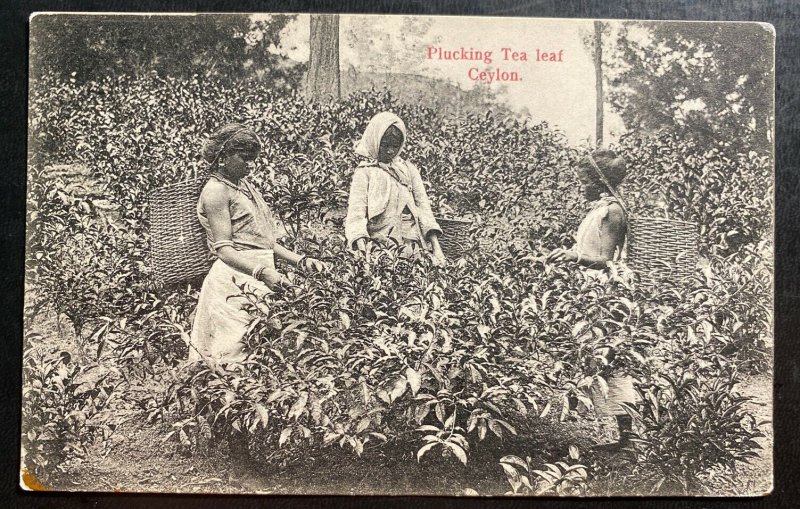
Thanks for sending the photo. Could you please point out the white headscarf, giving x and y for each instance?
(370, 143)
(369, 147)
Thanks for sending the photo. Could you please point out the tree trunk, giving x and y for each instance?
(323, 81)
(598, 77)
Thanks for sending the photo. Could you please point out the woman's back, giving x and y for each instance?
(602, 231)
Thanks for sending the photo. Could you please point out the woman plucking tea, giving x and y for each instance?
(241, 236)
(387, 196)
(600, 240)
(601, 234)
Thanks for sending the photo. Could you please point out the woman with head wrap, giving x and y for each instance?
(241, 236)
(601, 234)
(387, 196)
(600, 239)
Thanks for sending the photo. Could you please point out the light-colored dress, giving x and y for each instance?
(221, 322)
(588, 241)
(389, 202)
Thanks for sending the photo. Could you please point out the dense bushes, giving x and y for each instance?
(430, 359)
(729, 198)
(689, 423)
(65, 407)
(413, 354)
(134, 140)
(356, 354)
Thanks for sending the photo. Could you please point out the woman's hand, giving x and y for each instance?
(363, 250)
(274, 280)
(439, 259)
(562, 255)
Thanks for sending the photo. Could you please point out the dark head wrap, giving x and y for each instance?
(228, 138)
(613, 168)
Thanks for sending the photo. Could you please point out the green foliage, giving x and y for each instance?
(83, 47)
(437, 360)
(452, 355)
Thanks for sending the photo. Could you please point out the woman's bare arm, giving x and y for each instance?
(612, 234)
(286, 254)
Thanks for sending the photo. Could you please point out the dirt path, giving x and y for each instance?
(141, 461)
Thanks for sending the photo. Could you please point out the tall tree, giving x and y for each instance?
(323, 82)
(598, 78)
(713, 82)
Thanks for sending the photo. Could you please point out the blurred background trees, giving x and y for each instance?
(87, 47)
(711, 82)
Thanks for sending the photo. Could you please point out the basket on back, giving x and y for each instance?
(657, 248)
(454, 240)
(178, 249)
(660, 248)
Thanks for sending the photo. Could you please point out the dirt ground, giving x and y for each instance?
(140, 461)
(755, 478)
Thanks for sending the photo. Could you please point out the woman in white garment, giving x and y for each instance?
(387, 196)
(599, 240)
(241, 236)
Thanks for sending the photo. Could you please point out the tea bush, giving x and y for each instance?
(449, 355)
(65, 408)
(688, 424)
(357, 355)
(425, 358)
(730, 198)
(558, 478)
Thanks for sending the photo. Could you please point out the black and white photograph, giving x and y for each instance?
(341, 254)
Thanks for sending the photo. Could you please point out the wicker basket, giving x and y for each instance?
(178, 248)
(660, 249)
(455, 237)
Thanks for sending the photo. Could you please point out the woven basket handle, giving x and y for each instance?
(605, 182)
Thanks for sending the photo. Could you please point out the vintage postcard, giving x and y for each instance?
(399, 255)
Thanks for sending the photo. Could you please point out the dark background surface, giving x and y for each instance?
(783, 14)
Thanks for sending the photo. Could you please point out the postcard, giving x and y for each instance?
(399, 255)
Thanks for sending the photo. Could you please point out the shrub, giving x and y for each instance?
(425, 358)
(688, 424)
(729, 197)
(80, 264)
(65, 408)
(355, 356)
(559, 478)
